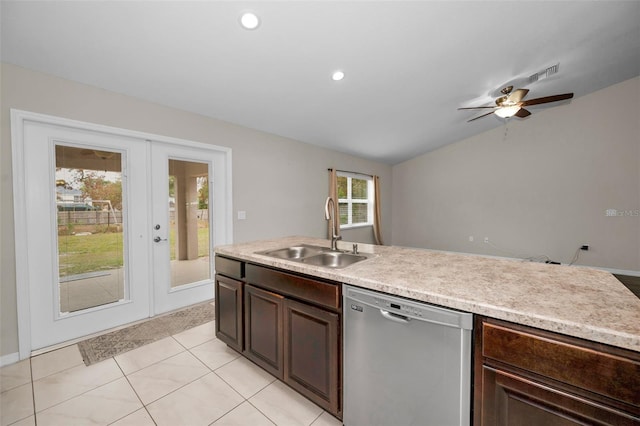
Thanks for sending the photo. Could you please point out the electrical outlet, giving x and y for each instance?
(486, 240)
(470, 238)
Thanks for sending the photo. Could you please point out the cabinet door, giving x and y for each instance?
(228, 305)
(510, 399)
(312, 354)
(263, 329)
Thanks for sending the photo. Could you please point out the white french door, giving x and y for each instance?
(184, 223)
(112, 226)
(73, 291)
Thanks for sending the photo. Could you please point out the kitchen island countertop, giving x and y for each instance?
(577, 301)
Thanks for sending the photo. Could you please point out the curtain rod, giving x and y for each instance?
(353, 173)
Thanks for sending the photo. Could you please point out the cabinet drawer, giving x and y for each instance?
(314, 291)
(614, 373)
(230, 267)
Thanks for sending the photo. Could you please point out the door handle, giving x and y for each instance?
(158, 239)
(394, 317)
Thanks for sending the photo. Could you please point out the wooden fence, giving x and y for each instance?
(98, 217)
(103, 217)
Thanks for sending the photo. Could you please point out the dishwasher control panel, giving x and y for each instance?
(399, 307)
(359, 298)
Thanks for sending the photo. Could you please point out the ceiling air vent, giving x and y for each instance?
(553, 69)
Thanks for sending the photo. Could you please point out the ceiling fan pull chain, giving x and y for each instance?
(506, 130)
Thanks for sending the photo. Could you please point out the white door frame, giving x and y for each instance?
(19, 119)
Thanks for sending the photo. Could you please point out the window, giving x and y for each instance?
(355, 200)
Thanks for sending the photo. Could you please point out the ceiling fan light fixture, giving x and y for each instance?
(507, 111)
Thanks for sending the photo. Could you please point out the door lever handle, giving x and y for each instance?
(158, 239)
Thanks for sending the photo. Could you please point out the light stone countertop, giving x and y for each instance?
(576, 301)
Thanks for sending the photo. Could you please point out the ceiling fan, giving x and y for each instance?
(511, 104)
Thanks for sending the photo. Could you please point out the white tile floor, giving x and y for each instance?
(187, 379)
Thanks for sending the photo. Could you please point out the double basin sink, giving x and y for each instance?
(316, 256)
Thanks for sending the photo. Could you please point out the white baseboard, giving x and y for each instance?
(9, 359)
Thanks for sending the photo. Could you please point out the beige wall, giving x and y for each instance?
(539, 186)
(280, 183)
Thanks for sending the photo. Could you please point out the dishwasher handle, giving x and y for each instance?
(394, 317)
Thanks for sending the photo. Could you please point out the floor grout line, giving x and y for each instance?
(138, 396)
(207, 370)
(33, 392)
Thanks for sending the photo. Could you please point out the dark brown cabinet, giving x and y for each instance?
(229, 291)
(292, 330)
(525, 376)
(311, 353)
(228, 307)
(288, 324)
(263, 329)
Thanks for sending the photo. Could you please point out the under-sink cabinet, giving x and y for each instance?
(263, 329)
(288, 324)
(529, 376)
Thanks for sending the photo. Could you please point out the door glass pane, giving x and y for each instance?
(88, 191)
(188, 222)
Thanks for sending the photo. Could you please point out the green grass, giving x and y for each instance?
(104, 251)
(203, 242)
(89, 253)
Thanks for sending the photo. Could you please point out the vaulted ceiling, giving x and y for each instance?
(408, 65)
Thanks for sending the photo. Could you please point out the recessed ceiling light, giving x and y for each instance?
(249, 21)
(337, 75)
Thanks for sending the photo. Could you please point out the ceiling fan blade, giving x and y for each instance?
(517, 95)
(480, 107)
(546, 99)
(480, 116)
(522, 113)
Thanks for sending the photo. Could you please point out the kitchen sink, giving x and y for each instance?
(334, 259)
(295, 252)
(316, 256)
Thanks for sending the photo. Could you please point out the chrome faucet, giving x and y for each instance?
(329, 208)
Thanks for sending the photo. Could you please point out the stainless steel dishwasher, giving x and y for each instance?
(405, 362)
